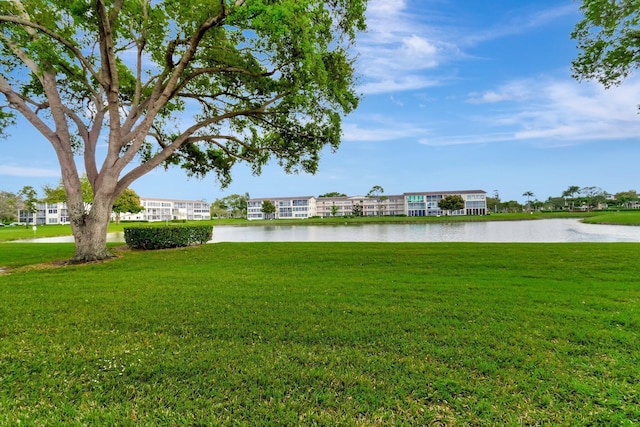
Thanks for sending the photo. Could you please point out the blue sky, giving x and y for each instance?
(456, 94)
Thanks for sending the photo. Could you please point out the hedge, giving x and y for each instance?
(164, 237)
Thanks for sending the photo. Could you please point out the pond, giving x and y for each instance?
(547, 230)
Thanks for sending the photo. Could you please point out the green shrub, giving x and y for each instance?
(164, 237)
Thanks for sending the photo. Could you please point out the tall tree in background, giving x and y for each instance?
(608, 40)
(268, 209)
(9, 203)
(377, 193)
(128, 201)
(528, 195)
(29, 197)
(450, 203)
(258, 80)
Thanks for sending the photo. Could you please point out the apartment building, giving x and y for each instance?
(168, 210)
(154, 210)
(369, 206)
(47, 213)
(410, 204)
(286, 207)
(426, 203)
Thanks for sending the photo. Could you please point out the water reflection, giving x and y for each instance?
(548, 230)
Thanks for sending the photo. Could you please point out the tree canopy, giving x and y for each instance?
(9, 203)
(333, 194)
(198, 84)
(608, 41)
(453, 202)
(268, 209)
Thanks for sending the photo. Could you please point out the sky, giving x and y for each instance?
(456, 95)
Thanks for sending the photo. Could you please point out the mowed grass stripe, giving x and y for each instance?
(325, 333)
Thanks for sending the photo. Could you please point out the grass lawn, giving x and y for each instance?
(323, 333)
(619, 218)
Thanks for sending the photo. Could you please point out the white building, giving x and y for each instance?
(426, 203)
(47, 213)
(370, 206)
(410, 204)
(286, 207)
(154, 210)
(168, 210)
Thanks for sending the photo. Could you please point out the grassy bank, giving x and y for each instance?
(618, 218)
(324, 333)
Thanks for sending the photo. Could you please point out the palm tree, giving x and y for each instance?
(528, 195)
(571, 192)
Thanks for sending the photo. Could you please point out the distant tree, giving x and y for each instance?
(9, 203)
(218, 209)
(608, 41)
(377, 193)
(451, 203)
(555, 203)
(58, 194)
(8, 206)
(30, 200)
(537, 205)
(334, 209)
(268, 209)
(626, 198)
(128, 201)
(333, 194)
(511, 206)
(236, 204)
(493, 204)
(356, 210)
(592, 196)
(528, 195)
(571, 193)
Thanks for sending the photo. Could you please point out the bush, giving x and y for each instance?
(164, 237)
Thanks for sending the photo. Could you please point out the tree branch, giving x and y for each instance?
(55, 36)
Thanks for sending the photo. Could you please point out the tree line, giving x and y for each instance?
(573, 198)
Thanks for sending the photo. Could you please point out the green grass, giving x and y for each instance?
(619, 218)
(323, 334)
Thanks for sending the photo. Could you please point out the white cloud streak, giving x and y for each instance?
(10, 170)
(553, 112)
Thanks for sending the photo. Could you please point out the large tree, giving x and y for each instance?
(127, 202)
(453, 202)
(200, 84)
(9, 203)
(608, 40)
(268, 209)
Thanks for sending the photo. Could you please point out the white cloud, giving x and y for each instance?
(28, 172)
(400, 84)
(512, 91)
(552, 112)
(396, 50)
(379, 129)
(400, 49)
(520, 23)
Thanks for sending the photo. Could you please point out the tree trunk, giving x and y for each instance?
(90, 232)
